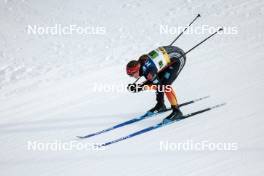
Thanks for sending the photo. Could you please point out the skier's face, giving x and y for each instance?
(135, 75)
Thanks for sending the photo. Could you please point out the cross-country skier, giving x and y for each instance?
(160, 67)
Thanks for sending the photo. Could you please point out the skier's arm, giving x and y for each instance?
(152, 79)
(150, 84)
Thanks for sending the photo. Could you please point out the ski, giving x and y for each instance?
(145, 116)
(159, 125)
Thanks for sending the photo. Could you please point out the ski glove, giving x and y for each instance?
(134, 88)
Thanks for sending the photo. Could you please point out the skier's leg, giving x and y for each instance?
(176, 112)
(169, 77)
(160, 106)
(160, 97)
(170, 93)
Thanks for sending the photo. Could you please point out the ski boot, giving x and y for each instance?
(159, 107)
(175, 115)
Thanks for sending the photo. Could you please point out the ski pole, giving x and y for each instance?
(203, 41)
(194, 47)
(185, 29)
(136, 80)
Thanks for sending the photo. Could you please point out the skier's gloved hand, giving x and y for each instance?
(134, 87)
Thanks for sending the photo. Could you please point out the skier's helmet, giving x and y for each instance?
(132, 67)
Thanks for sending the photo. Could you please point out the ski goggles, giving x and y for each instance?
(132, 70)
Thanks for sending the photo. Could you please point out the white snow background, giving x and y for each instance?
(47, 87)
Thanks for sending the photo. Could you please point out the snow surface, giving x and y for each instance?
(47, 87)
